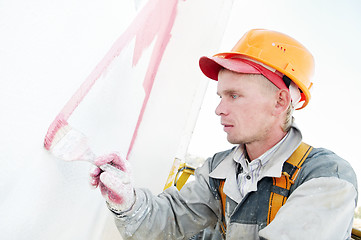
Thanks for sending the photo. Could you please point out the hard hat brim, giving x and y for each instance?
(210, 66)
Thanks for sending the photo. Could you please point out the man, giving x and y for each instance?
(265, 76)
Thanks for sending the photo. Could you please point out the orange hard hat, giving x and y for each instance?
(273, 49)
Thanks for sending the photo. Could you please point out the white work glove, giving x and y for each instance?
(115, 184)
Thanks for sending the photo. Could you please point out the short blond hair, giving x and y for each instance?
(270, 87)
(289, 118)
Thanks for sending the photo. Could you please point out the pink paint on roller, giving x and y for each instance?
(156, 19)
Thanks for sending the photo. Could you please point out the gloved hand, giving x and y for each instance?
(115, 183)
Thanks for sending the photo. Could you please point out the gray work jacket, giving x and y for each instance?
(320, 206)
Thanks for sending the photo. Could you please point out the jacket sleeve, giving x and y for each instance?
(321, 208)
(172, 214)
(322, 204)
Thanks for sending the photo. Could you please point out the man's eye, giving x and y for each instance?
(234, 96)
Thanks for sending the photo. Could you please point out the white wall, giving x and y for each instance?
(47, 50)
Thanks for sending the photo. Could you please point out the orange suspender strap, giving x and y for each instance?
(223, 201)
(223, 196)
(285, 181)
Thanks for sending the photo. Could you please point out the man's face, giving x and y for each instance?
(246, 106)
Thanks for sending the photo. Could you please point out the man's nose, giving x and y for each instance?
(221, 108)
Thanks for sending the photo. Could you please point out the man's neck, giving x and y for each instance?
(257, 148)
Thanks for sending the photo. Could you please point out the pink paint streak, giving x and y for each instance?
(155, 20)
(159, 22)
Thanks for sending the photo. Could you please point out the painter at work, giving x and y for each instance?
(270, 185)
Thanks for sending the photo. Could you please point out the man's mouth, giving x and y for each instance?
(226, 127)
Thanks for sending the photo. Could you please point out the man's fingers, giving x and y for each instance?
(116, 173)
(114, 179)
(116, 188)
(114, 183)
(94, 174)
(94, 171)
(112, 159)
(119, 162)
(103, 159)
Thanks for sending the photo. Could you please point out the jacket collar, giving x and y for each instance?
(227, 169)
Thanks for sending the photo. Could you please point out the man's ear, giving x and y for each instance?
(283, 100)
